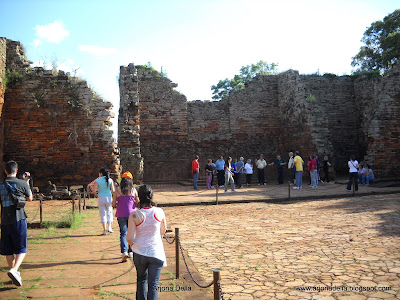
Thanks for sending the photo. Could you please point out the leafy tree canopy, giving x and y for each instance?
(382, 45)
(224, 87)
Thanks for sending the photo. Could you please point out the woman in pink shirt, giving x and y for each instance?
(125, 200)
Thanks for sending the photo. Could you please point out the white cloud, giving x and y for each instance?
(98, 51)
(37, 42)
(52, 33)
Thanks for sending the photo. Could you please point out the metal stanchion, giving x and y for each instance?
(289, 188)
(216, 277)
(79, 204)
(73, 205)
(177, 252)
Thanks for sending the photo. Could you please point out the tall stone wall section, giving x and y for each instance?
(163, 127)
(381, 121)
(129, 123)
(55, 126)
(3, 55)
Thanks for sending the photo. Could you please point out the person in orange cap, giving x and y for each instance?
(125, 200)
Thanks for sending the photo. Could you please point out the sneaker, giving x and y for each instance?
(15, 277)
(110, 230)
(234, 191)
(125, 256)
(265, 183)
(296, 188)
(348, 190)
(226, 191)
(105, 232)
(130, 254)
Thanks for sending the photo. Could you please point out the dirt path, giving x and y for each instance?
(83, 264)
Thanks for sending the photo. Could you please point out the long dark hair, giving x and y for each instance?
(126, 186)
(145, 193)
(105, 173)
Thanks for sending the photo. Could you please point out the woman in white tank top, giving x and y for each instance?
(148, 224)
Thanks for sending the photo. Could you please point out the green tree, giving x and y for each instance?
(224, 87)
(382, 45)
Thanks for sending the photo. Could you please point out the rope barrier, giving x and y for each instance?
(33, 219)
(166, 238)
(184, 260)
(220, 290)
(68, 203)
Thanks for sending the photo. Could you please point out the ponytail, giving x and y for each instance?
(105, 173)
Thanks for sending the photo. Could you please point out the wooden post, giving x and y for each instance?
(73, 205)
(84, 197)
(79, 199)
(289, 188)
(216, 194)
(177, 252)
(216, 277)
(41, 212)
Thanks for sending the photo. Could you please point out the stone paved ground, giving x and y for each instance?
(266, 251)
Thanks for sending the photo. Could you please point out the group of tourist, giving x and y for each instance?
(141, 225)
(230, 172)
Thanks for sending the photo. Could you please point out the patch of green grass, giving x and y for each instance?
(72, 221)
(37, 279)
(27, 289)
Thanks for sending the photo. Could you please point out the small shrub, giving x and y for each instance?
(11, 78)
(366, 74)
(329, 75)
(311, 98)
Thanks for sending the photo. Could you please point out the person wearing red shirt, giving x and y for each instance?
(312, 168)
(195, 171)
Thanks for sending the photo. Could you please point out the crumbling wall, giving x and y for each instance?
(129, 123)
(163, 127)
(274, 114)
(380, 114)
(55, 126)
(3, 53)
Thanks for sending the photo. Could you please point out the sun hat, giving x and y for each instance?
(127, 175)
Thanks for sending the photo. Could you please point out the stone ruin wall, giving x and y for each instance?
(3, 53)
(55, 126)
(380, 120)
(274, 114)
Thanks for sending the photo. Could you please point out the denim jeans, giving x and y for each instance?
(314, 178)
(123, 228)
(195, 179)
(299, 178)
(148, 271)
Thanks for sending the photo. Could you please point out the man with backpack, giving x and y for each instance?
(13, 244)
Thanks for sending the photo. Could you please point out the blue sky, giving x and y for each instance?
(196, 42)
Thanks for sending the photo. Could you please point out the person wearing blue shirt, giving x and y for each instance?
(240, 171)
(105, 191)
(220, 165)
